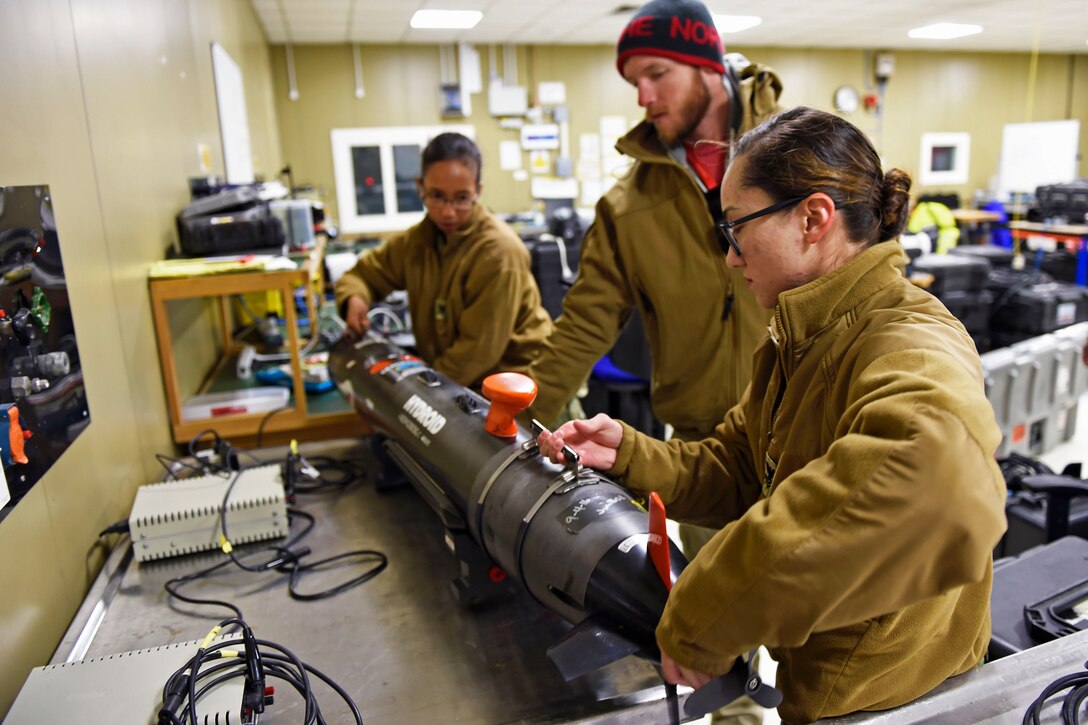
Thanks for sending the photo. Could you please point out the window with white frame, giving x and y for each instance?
(376, 171)
(944, 159)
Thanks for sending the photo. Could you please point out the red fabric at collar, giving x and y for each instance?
(708, 162)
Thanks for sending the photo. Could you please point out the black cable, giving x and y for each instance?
(338, 690)
(1077, 683)
(1073, 701)
(292, 563)
(673, 703)
(164, 460)
(285, 559)
(331, 473)
(197, 438)
(266, 418)
(307, 517)
(363, 554)
(171, 588)
(117, 527)
(196, 679)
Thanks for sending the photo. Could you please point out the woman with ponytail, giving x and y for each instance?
(854, 484)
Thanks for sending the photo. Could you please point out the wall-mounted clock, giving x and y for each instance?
(846, 99)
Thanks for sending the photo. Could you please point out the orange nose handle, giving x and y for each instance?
(509, 393)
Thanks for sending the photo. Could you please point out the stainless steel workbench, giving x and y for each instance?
(410, 655)
(997, 693)
(399, 644)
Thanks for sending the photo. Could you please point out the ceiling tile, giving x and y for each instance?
(1009, 24)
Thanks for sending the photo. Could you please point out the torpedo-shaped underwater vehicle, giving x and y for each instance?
(574, 539)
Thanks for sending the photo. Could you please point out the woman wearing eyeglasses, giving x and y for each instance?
(474, 304)
(855, 481)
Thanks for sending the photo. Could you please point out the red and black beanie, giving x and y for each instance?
(678, 29)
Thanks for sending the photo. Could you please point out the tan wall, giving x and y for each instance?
(402, 89)
(977, 93)
(973, 92)
(106, 103)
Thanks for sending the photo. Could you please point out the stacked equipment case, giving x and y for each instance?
(1034, 387)
(959, 281)
(230, 222)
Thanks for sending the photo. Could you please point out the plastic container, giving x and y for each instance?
(996, 256)
(972, 309)
(297, 217)
(1040, 308)
(235, 402)
(952, 273)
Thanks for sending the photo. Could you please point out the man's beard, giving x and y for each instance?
(691, 113)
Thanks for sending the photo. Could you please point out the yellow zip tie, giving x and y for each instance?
(225, 545)
(211, 635)
(294, 447)
(224, 653)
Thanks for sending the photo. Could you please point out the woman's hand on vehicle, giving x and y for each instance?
(596, 440)
(355, 314)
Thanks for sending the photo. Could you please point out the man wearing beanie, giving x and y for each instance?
(654, 247)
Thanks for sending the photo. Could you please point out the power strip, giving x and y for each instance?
(182, 517)
(118, 689)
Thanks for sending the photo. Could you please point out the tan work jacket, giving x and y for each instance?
(474, 303)
(859, 494)
(654, 246)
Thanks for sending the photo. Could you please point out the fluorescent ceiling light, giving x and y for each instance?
(446, 19)
(735, 23)
(945, 31)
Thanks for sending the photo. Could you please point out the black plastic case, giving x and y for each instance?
(1040, 308)
(996, 256)
(1029, 579)
(971, 308)
(953, 273)
(253, 229)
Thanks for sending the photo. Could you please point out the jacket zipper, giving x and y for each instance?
(770, 467)
(723, 268)
(781, 369)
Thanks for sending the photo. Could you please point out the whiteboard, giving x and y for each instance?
(1034, 154)
(230, 97)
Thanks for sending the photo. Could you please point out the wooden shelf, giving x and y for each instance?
(295, 422)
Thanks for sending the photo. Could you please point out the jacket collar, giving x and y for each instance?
(455, 238)
(642, 144)
(803, 312)
(757, 83)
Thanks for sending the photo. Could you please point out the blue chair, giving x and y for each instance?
(1000, 236)
(621, 378)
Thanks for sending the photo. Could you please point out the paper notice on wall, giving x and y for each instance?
(549, 187)
(611, 128)
(204, 155)
(469, 66)
(509, 155)
(589, 150)
(551, 93)
(612, 161)
(591, 192)
(540, 162)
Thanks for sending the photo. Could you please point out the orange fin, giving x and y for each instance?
(659, 540)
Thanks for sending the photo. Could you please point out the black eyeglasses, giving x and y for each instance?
(725, 227)
(435, 200)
